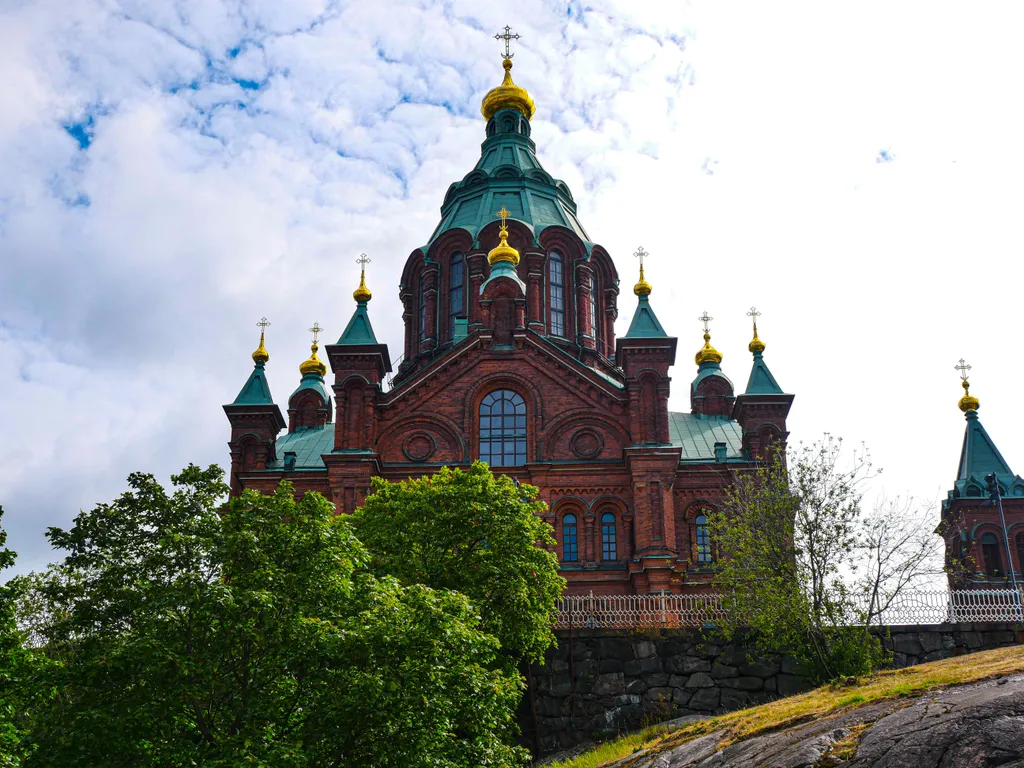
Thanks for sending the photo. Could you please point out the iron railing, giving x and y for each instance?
(705, 610)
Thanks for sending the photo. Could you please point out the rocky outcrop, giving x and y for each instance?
(971, 726)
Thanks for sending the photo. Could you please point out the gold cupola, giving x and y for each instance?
(313, 364)
(261, 355)
(642, 288)
(756, 345)
(508, 95)
(707, 353)
(362, 293)
(968, 402)
(503, 251)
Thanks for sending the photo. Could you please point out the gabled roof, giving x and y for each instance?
(697, 434)
(359, 330)
(256, 390)
(761, 381)
(308, 445)
(644, 324)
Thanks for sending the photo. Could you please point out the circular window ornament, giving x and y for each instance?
(419, 446)
(586, 444)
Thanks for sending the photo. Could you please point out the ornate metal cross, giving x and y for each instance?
(753, 314)
(706, 318)
(263, 323)
(507, 38)
(503, 214)
(963, 368)
(641, 254)
(362, 261)
(315, 330)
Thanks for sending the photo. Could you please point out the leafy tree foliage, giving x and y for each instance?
(476, 534)
(185, 633)
(787, 537)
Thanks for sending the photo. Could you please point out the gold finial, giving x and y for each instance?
(642, 288)
(362, 293)
(707, 353)
(756, 345)
(968, 402)
(314, 364)
(503, 251)
(261, 355)
(508, 95)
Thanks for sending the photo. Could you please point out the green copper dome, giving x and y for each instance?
(508, 174)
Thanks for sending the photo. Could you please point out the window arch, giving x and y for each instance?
(456, 292)
(556, 293)
(503, 429)
(423, 308)
(990, 550)
(570, 549)
(609, 543)
(703, 532)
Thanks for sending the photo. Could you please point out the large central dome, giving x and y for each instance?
(508, 174)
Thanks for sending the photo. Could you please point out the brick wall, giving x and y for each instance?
(597, 683)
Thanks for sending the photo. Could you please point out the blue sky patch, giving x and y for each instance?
(81, 132)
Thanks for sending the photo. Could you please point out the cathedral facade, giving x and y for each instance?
(510, 356)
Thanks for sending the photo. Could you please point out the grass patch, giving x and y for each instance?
(821, 702)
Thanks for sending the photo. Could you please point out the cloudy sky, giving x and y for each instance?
(171, 171)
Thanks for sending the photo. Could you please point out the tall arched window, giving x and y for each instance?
(456, 307)
(990, 550)
(1020, 552)
(609, 545)
(503, 429)
(703, 540)
(556, 293)
(570, 552)
(596, 316)
(423, 309)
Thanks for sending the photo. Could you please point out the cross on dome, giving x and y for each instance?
(362, 293)
(315, 330)
(963, 367)
(261, 355)
(507, 37)
(642, 288)
(706, 318)
(264, 323)
(756, 345)
(968, 402)
(503, 214)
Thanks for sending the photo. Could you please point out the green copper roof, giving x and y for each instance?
(508, 173)
(312, 381)
(761, 381)
(358, 330)
(256, 390)
(979, 455)
(704, 370)
(697, 435)
(645, 323)
(308, 445)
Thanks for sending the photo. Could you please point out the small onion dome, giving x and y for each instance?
(362, 293)
(642, 288)
(314, 364)
(508, 95)
(503, 251)
(261, 355)
(968, 402)
(756, 345)
(707, 354)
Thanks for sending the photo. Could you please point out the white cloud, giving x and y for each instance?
(127, 321)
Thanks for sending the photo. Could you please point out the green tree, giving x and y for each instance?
(476, 534)
(787, 538)
(186, 633)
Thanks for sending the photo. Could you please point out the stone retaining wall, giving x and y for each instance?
(597, 683)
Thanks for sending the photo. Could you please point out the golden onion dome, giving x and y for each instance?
(261, 355)
(642, 288)
(968, 402)
(707, 353)
(756, 345)
(314, 364)
(503, 251)
(362, 293)
(508, 95)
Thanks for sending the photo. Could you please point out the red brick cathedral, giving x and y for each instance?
(511, 357)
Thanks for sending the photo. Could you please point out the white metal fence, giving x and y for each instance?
(652, 611)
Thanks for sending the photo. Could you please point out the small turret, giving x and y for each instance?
(763, 407)
(310, 405)
(711, 393)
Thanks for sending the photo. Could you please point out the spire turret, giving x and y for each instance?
(707, 353)
(761, 381)
(508, 95)
(359, 330)
(256, 390)
(645, 323)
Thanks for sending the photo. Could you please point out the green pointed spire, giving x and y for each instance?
(979, 455)
(644, 324)
(256, 390)
(359, 330)
(761, 381)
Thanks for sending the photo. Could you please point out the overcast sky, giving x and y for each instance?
(171, 171)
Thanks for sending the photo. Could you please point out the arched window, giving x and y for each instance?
(423, 309)
(609, 546)
(594, 315)
(570, 552)
(703, 540)
(990, 550)
(456, 307)
(503, 429)
(556, 294)
(1020, 552)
